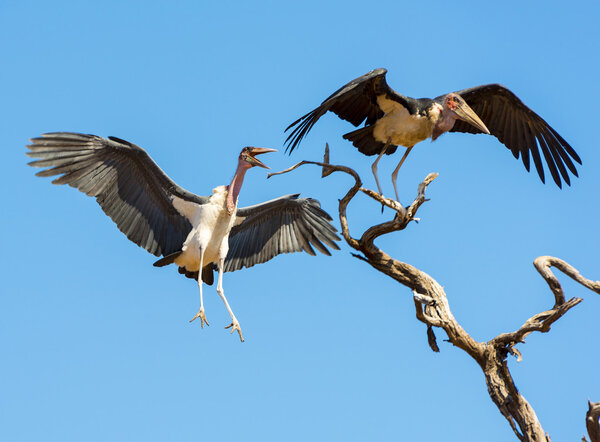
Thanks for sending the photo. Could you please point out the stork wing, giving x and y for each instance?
(137, 195)
(284, 225)
(518, 128)
(354, 102)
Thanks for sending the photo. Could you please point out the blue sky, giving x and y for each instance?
(96, 342)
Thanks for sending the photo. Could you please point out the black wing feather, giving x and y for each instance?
(353, 102)
(520, 129)
(285, 225)
(131, 189)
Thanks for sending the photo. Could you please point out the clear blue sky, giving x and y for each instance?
(96, 342)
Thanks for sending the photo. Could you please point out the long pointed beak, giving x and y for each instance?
(258, 151)
(465, 113)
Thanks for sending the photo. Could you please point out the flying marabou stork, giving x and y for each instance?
(394, 120)
(197, 233)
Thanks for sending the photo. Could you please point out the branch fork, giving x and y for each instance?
(432, 307)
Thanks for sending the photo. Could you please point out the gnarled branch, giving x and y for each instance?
(432, 307)
(592, 421)
(543, 264)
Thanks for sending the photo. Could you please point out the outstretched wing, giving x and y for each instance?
(518, 128)
(284, 225)
(354, 102)
(131, 189)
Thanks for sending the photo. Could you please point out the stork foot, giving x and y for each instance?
(202, 317)
(235, 325)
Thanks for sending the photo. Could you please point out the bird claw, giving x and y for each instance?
(202, 317)
(236, 326)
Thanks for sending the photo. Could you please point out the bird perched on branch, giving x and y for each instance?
(196, 233)
(393, 120)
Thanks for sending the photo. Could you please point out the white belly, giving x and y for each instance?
(402, 128)
(210, 234)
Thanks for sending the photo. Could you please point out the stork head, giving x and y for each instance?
(459, 109)
(248, 154)
(246, 161)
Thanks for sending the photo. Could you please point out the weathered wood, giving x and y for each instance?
(432, 307)
(592, 422)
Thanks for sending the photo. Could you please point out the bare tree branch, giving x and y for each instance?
(592, 421)
(432, 307)
(543, 264)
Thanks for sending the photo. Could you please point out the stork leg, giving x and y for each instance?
(374, 165)
(395, 172)
(235, 325)
(200, 313)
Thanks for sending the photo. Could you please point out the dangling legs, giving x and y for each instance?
(374, 166)
(395, 172)
(200, 313)
(235, 325)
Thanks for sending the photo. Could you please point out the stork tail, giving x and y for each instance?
(207, 274)
(366, 143)
(169, 259)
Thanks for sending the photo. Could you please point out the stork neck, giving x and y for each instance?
(445, 122)
(233, 190)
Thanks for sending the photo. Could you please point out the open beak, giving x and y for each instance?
(253, 151)
(465, 113)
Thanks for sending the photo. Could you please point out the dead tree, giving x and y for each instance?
(592, 421)
(433, 309)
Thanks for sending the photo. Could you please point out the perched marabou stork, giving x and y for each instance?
(197, 233)
(394, 120)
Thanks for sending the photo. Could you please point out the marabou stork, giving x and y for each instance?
(394, 120)
(197, 233)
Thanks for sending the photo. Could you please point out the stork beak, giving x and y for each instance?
(253, 151)
(465, 113)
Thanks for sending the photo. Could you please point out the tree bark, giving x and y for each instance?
(432, 307)
(592, 421)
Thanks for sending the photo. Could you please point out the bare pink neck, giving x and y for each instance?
(444, 123)
(233, 190)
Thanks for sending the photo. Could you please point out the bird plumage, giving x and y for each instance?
(286, 224)
(164, 219)
(518, 128)
(127, 184)
(157, 214)
(369, 99)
